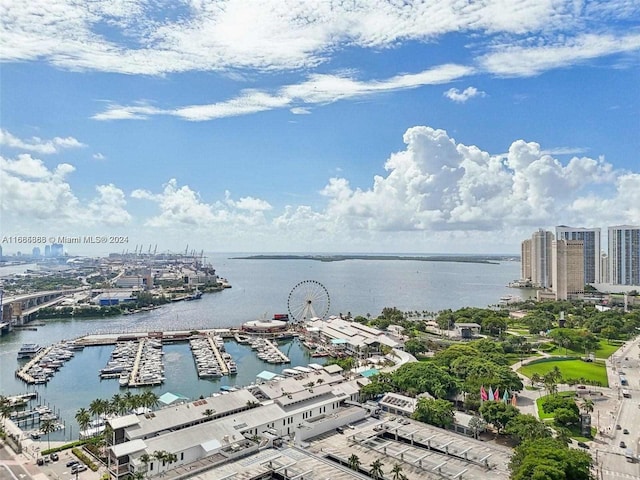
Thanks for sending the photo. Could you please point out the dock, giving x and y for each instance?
(136, 364)
(23, 374)
(278, 352)
(224, 369)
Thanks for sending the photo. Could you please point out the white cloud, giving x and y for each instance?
(458, 96)
(438, 184)
(157, 38)
(528, 60)
(35, 194)
(300, 111)
(98, 156)
(109, 206)
(38, 145)
(318, 89)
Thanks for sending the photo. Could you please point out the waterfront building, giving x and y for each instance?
(352, 338)
(541, 252)
(568, 268)
(525, 260)
(221, 428)
(591, 246)
(624, 255)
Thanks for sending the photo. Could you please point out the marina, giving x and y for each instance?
(46, 362)
(136, 363)
(210, 357)
(268, 351)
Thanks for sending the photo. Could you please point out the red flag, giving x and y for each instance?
(483, 394)
(496, 394)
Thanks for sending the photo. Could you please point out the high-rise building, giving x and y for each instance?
(57, 250)
(591, 241)
(35, 252)
(525, 260)
(567, 268)
(47, 251)
(604, 268)
(624, 255)
(541, 247)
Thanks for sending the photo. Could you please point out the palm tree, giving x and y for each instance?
(48, 426)
(131, 401)
(376, 470)
(145, 458)
(397, 473)
(116, 404)
(354, 462)
(209, 413)
(83, 417)
(587, 405)
(149, 399)
(5, 408)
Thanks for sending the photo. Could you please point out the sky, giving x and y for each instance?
(316, 126)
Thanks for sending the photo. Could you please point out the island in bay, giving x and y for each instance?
(488, 259)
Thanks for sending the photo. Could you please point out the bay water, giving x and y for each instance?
(260, 288)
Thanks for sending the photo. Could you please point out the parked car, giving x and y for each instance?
(583, 445)
(78, 468)
(618, 427)
(623, 445)
(340, 430)
(71, 463)
(625, 431)
(40, 461)
(54, 457)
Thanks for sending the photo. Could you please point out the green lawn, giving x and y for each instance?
(570, 369)
(604, 350)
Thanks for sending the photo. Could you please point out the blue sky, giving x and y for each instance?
(317, 126)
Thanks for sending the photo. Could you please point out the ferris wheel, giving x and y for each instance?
(308, 299)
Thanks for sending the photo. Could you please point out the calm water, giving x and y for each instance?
(260, 288)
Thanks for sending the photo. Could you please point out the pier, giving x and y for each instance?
(136, 364)
(23, 374)
(214, 348)
(278, 352)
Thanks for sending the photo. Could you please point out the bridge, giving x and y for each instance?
(17, 310)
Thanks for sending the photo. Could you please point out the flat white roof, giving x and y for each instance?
(122, 422)
(127, 448)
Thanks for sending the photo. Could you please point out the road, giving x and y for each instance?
(610, 456)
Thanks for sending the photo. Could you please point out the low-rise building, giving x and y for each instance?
(223, 427)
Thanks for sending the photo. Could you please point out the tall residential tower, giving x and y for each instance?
(624, 255)
(591, 243)
(541, 248)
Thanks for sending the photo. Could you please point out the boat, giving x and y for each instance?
(197, 295)
(29, 350)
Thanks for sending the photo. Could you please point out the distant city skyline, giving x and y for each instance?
(298, 126)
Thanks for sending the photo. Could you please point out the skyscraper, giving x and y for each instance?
(525, 260)
(567, 268)
(591, 243)
(541, 251)
(624, 255)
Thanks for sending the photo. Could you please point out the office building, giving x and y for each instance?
(541, 252)
(568, 268)
(624, 255)
(591, 244)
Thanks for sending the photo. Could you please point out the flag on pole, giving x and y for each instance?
(505, 397)
(483, 394)
(496, 394)
(491, 393)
